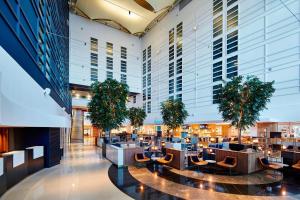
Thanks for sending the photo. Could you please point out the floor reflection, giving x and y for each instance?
(289, 186)
(129, 185)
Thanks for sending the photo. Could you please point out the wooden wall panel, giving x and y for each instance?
(3, 140)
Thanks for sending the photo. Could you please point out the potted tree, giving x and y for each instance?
(107, 108)
(173, 114)
(136, 117)
(242, 99)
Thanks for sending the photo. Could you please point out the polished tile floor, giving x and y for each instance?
(82, 174)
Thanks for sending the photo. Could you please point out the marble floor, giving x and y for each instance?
(183, 187)
(82, 174)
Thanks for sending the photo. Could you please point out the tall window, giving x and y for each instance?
(217, 71)
(171, 36)
(144, 69)
(144, 94)
(109, 75)
(232, 17)
(123, 66)
(171, 86)
(232, 42)
(217, 26)
(123, 78)
(149, 93)
(149, 52)
(175, 66)
(179, 97)
(225, 34)
(149, 79)
(109, 48)
(179, 39)
(94, 74)
(179, 83)
(149, 107)
(94, 59)
(171, 52)
(171, 69)
(232, 67)
(230, 2)
(144, 81)
(94, 44)
(149, 65)
(179, 66)
(217, 6)
(217, 48)
(144, 55)
(216, 92)
(123, 52)
(109, 63)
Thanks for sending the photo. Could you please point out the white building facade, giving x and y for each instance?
(193, 50)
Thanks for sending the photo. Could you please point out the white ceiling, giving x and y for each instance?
(126, 15)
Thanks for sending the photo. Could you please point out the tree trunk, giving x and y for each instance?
(107, 135)
(240, 136)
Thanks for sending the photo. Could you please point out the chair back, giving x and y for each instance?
(169, 157)
(195, 159)
(230, 160)
(139, 156)
(263, 162)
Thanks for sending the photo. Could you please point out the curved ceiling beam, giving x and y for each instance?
(145, 5)
(110, 20)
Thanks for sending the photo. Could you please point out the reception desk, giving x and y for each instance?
(17, 165)
(122, 156)
(247, 162)
(35, 159)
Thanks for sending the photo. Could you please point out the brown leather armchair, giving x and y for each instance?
(197, 162)
(272, 166)
(166, 160)
(229, 163)
(140, 158)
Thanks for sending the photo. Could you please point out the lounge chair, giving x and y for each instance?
(228, 163)
(197, 162)
(267, 165)
(141, 159)
(166, 160)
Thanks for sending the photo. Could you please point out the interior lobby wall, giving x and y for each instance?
(21, 138)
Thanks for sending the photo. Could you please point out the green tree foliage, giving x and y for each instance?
(107, 108)
(136, 117)
(241, 101)
(173, 113)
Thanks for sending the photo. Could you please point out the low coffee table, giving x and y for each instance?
(211, 166)
(154, 160)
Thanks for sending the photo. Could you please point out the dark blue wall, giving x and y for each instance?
(35, 33)
(22, 138)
